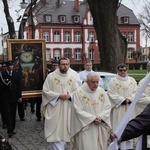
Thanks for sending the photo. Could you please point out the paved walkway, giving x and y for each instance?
(29, 133)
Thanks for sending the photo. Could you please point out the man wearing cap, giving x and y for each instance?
(54, 66)
(10, 85)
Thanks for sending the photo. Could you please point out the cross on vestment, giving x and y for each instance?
(95, 103)
(63, 85)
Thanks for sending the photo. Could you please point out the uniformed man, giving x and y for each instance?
(10, 85)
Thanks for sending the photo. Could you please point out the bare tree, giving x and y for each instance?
(9, 19)
(112, 44)
(144, 19)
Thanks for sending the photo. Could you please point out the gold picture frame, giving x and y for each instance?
(30, 61)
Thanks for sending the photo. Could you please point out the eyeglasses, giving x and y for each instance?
(122, 70)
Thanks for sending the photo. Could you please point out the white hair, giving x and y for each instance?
(92, 74)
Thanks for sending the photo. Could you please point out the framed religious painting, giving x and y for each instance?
(30, 62)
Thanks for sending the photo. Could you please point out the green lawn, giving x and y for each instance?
(137, 74)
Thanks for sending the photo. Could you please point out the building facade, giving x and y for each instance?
(67, 27)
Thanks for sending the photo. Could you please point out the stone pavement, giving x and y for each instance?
(29, 133)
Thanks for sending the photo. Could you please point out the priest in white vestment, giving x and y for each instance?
(145, 97)
(88, 69)
(121, 92)
(90, 116)
(56, 105)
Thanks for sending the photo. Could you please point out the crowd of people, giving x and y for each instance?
(75, 107)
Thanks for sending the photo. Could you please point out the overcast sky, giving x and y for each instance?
(15, 11)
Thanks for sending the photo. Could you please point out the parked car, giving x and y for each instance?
(106, 77)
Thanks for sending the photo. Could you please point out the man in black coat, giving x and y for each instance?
(10, 84)
(140, 125)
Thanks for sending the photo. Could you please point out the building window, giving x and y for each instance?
(46, 36)
(130, 50)
(76, 19)
(67, 53)
(91, 37)
(56, 54)
(56, 36)
(67, 36)
(130, 36)
(77, 37)
(62, 18)
(48, 18)
(126, 20)
(91, 54)
(77, 54)
(47, 55)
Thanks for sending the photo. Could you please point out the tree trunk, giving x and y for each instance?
(112, 44)
(10, 22)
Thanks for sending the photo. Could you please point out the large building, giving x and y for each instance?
(67, 27)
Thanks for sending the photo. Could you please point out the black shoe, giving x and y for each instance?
(22, 119)
(11, 134)
(4, 126)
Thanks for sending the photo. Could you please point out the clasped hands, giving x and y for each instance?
(97, 121)
(64, 96)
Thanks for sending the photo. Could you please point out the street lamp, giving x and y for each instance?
(23, 4)
(27, 14)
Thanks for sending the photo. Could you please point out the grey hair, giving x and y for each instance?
(92, 74)
(148, 66)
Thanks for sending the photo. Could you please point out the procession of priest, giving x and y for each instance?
(77, 110)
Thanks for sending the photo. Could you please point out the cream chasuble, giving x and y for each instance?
(144, 99)
(86, 106)
(57, 117)
(119, 89)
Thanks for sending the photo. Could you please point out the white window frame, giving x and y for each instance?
(48, 18)
(91, 37)
(76, 19)
(57, 54)
(67, 36)
(56, 36)
(67, 53)
(78, 54)
(47, 55)
(130, 50)
(91, 54)
(126, 19)
(46, 36)
(62, 18)
(77, 36)
(130, 36)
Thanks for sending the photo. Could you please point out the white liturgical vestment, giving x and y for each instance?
(55, 110)
(86, 106)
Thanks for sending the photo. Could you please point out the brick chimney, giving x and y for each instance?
(76, 5)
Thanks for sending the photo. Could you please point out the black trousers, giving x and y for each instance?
(21, 110)
(10, 116)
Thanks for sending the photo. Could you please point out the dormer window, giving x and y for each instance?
(62, 18)
(76, 19)
(48, 18)
(125, 20)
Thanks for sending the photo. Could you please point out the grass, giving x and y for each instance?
(137, 74)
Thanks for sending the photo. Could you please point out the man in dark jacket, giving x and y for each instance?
(140, 125)
(10, 85)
